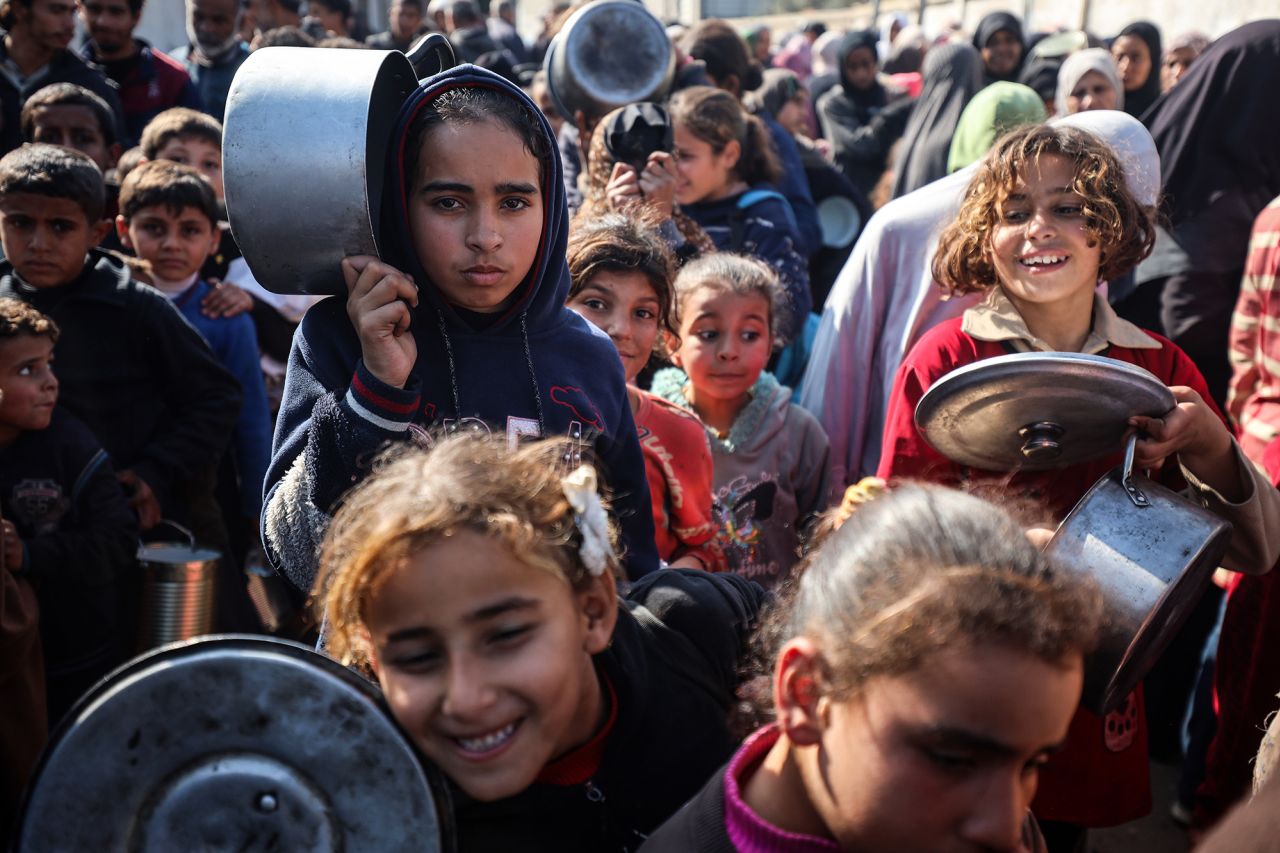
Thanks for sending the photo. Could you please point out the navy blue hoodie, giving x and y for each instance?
(538, 369)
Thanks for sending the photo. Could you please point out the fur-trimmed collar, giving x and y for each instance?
(669, 384)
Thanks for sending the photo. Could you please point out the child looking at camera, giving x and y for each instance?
(462, 326)
(620, 273)
(169, 218)
(480, 585)
(771, 458)
(1047, 215)
(924, 669)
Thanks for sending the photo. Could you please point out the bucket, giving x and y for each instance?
(178, 584)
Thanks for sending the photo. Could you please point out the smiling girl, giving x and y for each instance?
(771, 458)
(924, 670)
(728, 180)
(480, 587)
(1047, 215)
(621, 270)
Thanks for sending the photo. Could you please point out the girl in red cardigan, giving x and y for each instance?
(1047, 216)
(621, 274)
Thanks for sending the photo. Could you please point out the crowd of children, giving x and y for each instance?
(576, 475)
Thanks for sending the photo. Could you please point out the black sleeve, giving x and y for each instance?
(716, 612)
(201, 399)
(102, 540)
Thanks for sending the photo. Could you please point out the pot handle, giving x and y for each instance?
(191, 537)
(1126, 475)
(433, 47)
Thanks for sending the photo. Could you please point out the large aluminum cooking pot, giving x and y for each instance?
(1151, 552)
(232, 743)
(304, 147)
(609, 53)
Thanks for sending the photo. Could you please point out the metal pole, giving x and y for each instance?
(875, 15)
(1027, 7)
(1084, 15)
(923, 4)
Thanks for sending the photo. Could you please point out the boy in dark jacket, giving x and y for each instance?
(169, 218)
(464, 326)
(67, 526)
(138, 375)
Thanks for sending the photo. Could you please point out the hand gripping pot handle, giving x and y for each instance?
(304, 148)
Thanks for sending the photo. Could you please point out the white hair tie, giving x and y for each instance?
(590, 519)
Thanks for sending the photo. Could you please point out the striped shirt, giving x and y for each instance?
(1253, 400)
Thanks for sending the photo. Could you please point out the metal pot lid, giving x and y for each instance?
(231, 743)
(608, 54)
(1036, 411)
(840, 221)
(176, 553)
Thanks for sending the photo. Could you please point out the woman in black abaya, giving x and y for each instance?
(1137, 54)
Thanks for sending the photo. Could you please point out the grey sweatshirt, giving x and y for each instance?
(771, 476)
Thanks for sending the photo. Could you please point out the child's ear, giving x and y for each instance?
(732, 153)
(122, 231)
(100, 230)
(113, 155)
(598, 604)
(797, 691)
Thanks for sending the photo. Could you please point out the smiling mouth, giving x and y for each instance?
(1043, 261)
(487, 744)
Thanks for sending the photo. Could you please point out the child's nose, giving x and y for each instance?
(466, 692)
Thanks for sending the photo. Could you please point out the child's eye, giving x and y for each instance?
(645, 314)
(706, 335)
(1071, 210)
(62, 226)
(510, 636)
(515, 203)
(447, 204)
(418, 661)
(595, 304)
(26, 370)
(1014, 215)
(751, 335)
(950, 761)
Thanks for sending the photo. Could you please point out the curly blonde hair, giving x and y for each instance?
(1114, 218)
(416, 498)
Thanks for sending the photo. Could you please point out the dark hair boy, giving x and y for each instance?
(169, 218)
(132, 369)
(67, 526)
(149, 81)
(71, 116)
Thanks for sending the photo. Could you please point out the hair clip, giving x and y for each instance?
(590, 519)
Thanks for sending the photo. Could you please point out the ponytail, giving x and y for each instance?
(716, 117)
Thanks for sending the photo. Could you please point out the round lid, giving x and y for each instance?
(1035, 411)
(231, 743)
(839, 219)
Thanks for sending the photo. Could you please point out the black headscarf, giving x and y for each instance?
(1140, 100)
(952, 76)
(988, 27)
(862, 98)
(1219, 156)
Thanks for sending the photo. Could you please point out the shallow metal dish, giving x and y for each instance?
(1037, 411)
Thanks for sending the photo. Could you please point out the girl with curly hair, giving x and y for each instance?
(1047, 216)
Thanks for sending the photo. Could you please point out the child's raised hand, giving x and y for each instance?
(623, 189)
(1191, 430)
(379, 298)
(658, 182)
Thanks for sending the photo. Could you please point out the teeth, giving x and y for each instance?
(489, 741)
(1045, 259)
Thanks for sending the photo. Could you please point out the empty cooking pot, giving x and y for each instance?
(304, 146)
(1151, 552)
(609, 53)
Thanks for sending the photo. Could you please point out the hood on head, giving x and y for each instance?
(542, 293)
(1081, 63)
(851, 42)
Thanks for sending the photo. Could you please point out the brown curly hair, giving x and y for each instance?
(416, 498)
(616, 242)
(19, 318)
(1113, 216)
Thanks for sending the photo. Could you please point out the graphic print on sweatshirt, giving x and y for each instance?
(39, 505)
(581, 433)
(743, 507)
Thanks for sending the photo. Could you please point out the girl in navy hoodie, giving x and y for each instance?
(728, 184)
(461, 325)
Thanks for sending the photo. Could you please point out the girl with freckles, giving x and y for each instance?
(1046, 217)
